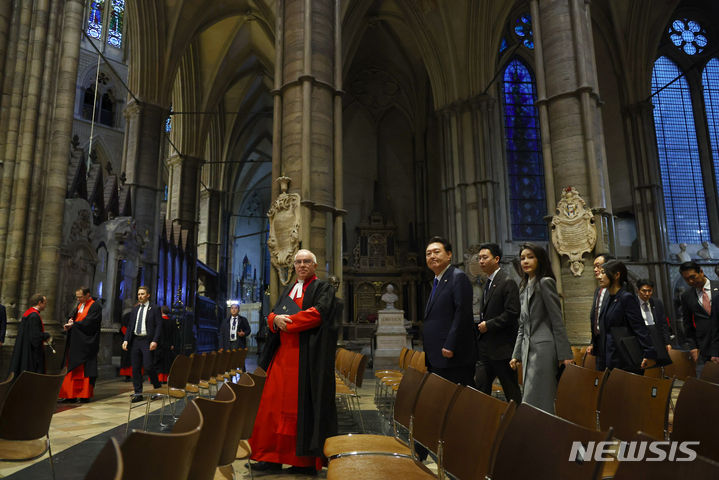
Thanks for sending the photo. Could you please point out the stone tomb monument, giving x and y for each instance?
(391, 333)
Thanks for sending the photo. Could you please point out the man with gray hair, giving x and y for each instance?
(297, 411)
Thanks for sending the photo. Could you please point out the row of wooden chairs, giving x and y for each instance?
(189, 377)
(349, 374)
(388, 381)
(207, 438)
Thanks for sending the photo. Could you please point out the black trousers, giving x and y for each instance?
(487, 370)
(462, 375)
(141, 357)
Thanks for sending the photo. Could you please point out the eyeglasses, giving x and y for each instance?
(304, 261)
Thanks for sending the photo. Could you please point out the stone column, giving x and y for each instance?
(143, 136)
(469, 131)
(573, 143)
(307, 138)
(208, 245)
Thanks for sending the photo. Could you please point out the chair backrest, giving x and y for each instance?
(696, 416)
(179, 372)
(107, 464)
(578, 395)
(700, 467)
(710, 373)
(589, 361)
(682, 365)
(406, 398)
(359, 363)
(465, 454)
(407, 361)
(29, 406)
(578, 353)
(537, 444)
(209, 366)
(5, 388)
(239, 417)
(402, 355)
(259, 376)
(418, 362)
(254, 403)
(433, 401)
(198, 362)
(223, 359)
(147, 455)
(215, 414)
(630, 403)
(241, 357)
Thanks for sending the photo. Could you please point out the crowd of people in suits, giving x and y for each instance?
(522, 325)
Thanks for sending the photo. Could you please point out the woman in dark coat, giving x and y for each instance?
(619, 321)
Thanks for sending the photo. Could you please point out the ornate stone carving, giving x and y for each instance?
(284, 239)
(573, 230)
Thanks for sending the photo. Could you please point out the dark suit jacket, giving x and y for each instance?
(501, 312)
(448, 322)
(698, 326)
(596, 339)
(223, 335)
(3, 323)
(660, 319)
(153, 323)
(622, 311)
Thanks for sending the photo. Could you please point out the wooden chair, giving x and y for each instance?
(241, 360)
(259, 376)
(215, 414)
(696, 416)
(578, 395)
(682, 365)
(207, 369)
(407, 394)
(589, 361)
(108, 463)
(244, 450)
(240, 415)
(193, 378)
(434, 399)
(153, 456)
(348, 392)
(5, 388)
(631, 402)
(710, 373)
(700, 467)
(26, 416)
(537, 445)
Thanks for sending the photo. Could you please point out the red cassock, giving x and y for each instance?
(76, 384)
(274, 438)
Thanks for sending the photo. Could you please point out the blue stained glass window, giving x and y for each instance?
(710, 82)
(525, 165)
(168, 122)
(688, 35)
(503, 45)
(114, 28)
(94, 21)
(523, 30)
(678, 150)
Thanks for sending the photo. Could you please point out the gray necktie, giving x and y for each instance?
(648, 317)
(139, 322)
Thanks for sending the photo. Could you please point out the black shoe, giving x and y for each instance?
(267, 467)
(301, 471)
(68, 400)
(156, 396)
(136, 397)
(84, 400)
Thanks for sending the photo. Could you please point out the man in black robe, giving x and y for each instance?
(29, 351)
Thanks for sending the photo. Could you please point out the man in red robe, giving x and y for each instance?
(83, 343)
(297, 410)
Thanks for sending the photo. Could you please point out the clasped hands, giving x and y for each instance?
(281, 322)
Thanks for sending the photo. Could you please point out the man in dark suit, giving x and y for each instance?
(699, 326)
(497, 329)
(447, 331)
(233, 331)
(599, 303)
(654, 314)
(141, 338)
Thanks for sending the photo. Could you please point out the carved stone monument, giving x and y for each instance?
(391, 333)
(573, 230)
(284, 238)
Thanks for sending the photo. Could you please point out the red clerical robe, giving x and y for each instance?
(274, 437)
(76, 384)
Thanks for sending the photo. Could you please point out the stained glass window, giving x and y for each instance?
(114, 28)
(524, 157)
(94, 21)
(168, 122)
(710, 83)
(523, 30)
(681, 174)
(503, 45)
(687, 35)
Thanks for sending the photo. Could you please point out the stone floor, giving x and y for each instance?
(79, 431)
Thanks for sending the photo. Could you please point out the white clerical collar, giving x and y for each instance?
(297, 290)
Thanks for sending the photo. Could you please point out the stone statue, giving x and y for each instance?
(389, 298)
(683, 255)
(704, 252)
(284, 238)
(334, 281)
(573, 230)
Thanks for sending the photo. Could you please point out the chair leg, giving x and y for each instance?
(49, 451)
(147, 412)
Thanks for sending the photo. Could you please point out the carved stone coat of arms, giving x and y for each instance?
(284, 238)
(573, 230)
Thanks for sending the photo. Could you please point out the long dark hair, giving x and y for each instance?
(611, 268)
(544, 267)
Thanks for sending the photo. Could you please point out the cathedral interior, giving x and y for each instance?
(142, 143)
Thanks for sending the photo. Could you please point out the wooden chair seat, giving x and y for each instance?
(192, 388)
(374, 467)
(339, 444)
(23, 449)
